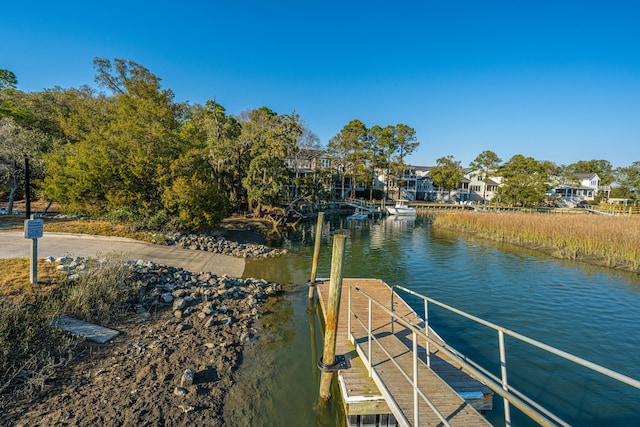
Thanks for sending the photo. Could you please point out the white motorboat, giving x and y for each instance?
(359, 215)
(400, 208)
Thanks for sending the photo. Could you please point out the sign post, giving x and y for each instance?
(33, 229)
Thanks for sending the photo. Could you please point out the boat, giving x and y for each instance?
(359, 215)
(400, 208)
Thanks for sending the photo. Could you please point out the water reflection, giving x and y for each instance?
(278, 381)
(589, 311)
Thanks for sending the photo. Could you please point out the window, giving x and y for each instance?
(325, 163)
(475, 188)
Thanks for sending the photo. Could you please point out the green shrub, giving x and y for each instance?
(156, 219)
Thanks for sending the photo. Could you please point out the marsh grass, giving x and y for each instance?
(613, 241)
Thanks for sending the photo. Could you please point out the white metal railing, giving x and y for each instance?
(500, 385)
(361, 204)
(409, 194)
(534, 411)
(412, 379)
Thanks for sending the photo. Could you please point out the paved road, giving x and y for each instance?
(14, 245)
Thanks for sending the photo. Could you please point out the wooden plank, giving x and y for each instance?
(356, 386)
(90, 331)
(443, 397)
(360, 394)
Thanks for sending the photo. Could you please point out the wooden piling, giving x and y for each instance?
(333, 308)
(316, 254)
(311, 310)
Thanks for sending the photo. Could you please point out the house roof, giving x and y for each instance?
(585, 175)
(419, 168)
(309, 153)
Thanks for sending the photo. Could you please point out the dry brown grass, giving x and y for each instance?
(14, 279)
(32, 351)
(82, 226)
(613, 241)
(11, 222)
(97, 227)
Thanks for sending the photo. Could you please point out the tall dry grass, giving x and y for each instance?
(32, 351)
(613, 241)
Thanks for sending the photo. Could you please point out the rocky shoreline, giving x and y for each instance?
(221, 245)
(173, 363)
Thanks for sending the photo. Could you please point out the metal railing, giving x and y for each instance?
(360, 204)
(412, 379)
(500, 385)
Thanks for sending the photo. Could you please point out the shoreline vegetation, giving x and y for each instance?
(34, 356)
(611, 241)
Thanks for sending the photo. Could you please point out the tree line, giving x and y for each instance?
(129, 151)
(526, 181)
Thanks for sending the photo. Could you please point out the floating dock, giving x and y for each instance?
(386, 398)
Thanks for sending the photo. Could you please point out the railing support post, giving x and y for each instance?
(416, 414)
(426, 332)
(393, 318)
(316, 254)
(349, 314)
(503, 372)
(369, 333)
(333, 308)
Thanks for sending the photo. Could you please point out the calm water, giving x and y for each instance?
(591, 312)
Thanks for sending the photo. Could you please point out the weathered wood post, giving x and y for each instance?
(27, 188)
(311, 310)
(316, 254)
(333, 307)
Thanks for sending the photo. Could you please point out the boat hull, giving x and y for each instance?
(401, 210)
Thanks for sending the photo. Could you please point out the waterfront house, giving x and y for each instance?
(585, 187)
(413, 184)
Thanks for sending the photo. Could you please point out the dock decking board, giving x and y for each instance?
(355, 382)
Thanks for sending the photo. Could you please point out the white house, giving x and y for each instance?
(415, 183)
(480, 189)
(585, 189)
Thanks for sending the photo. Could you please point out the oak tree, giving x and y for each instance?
(447, 174)
(485, 166)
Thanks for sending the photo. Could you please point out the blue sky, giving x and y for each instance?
(555, 80)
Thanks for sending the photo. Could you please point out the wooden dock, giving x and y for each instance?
(378, 401)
